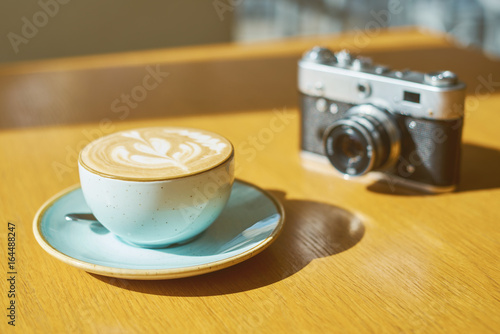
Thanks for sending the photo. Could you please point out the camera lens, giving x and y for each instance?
(351, 148)
(365, 139)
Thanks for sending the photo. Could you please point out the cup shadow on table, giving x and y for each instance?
(312, 230)
(480, 167)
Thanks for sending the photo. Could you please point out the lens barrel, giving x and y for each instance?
(365, 139)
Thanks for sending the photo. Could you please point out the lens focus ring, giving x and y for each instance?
(365, 139)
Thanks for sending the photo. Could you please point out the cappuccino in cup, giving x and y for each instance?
(153, 187)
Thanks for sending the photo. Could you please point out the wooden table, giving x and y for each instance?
(353, 257)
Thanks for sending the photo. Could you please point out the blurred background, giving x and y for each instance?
(60, 28)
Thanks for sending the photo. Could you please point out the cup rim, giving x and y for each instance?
(229, 157)
(154, 179)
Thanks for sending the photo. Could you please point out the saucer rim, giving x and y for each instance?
(155, 274)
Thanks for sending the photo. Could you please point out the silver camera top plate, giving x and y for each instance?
(344, 77)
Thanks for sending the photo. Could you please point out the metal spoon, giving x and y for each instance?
(80, 217)
(94, 224)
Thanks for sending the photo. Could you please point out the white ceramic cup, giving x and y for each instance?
(161, 212)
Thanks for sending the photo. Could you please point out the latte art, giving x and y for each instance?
(159, 153)
(156, 153)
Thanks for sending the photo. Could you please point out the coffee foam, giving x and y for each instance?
(155, 153)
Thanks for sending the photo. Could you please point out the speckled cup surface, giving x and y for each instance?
(158, 213)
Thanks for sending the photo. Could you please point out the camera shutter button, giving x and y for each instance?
(441, 78)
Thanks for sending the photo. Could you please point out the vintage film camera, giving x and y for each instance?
(363, 117)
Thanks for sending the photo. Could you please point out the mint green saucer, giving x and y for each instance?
(250, 222)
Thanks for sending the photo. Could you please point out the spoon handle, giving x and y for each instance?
(80, 217)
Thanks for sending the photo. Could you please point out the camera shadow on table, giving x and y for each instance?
(312, 230)
(479, 171)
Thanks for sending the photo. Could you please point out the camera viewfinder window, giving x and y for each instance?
(411, 97)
